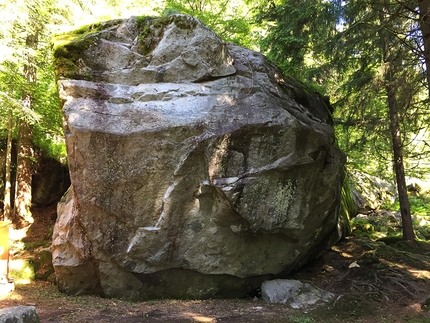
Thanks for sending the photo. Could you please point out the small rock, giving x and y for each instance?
(294, 293)
(19, 314)
(353, 265)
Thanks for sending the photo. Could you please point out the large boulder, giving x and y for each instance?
(198, 170)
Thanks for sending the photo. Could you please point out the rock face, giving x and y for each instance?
(198, 170)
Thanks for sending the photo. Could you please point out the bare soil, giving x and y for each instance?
(390, 284)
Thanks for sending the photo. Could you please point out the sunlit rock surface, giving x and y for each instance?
(198, 170)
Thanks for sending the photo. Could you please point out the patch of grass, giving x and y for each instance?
(420, 205)
(301, 319)
(376, 226)
(36, 244)
(417, 320)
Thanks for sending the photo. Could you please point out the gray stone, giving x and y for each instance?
(294, 293)
(369, 192)
(19, 314)
(198, 170)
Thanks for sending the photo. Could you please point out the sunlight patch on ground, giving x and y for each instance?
(6, 293)
(200, 318)
(17, 235)
(343, 254)
(392, 264)
(421, 274)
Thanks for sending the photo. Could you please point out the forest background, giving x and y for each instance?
(370, 58)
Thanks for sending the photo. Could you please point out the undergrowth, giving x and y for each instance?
(387, 223)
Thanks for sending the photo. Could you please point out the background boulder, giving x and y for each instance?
(198, 170)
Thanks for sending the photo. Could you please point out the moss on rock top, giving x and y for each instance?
(69, 47)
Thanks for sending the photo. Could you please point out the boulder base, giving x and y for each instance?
(198, 170)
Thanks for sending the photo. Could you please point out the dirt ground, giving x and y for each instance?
(390, 284)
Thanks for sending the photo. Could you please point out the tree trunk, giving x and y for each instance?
(424, 6)
(7, 187)
(391, 84)
(22, 212)
(405, 210)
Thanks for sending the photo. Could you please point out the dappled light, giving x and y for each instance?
(18, 234)
(200, 318)
(11, 296)
(22, 271)
(343, 254)
(424, 274)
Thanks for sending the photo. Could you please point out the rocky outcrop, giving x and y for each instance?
(198, 170)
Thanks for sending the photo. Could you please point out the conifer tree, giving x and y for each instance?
(22, 34)
(363, 53)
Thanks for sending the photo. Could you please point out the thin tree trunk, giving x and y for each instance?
(405, 209)
(22, 212)
(7, 187)
(424, 6)
(391, 88)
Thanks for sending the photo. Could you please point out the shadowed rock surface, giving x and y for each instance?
(198, 170)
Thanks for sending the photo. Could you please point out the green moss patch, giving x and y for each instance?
(68, 47)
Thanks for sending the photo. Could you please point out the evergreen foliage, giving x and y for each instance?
(44, 114)
(335, 45)
(232, 20)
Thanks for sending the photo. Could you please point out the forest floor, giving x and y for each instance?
(390, 284)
